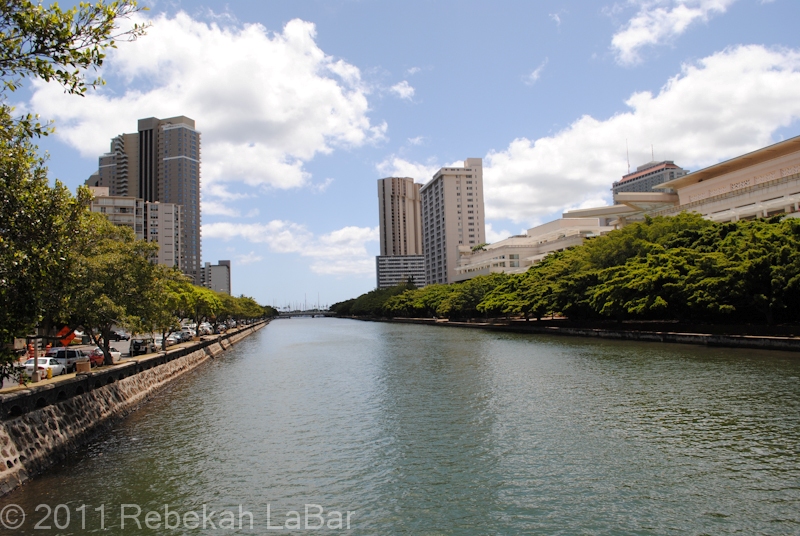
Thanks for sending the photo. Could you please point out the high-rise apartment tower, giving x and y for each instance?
(118, 169)
(169, 171)
(400, 227)
(217, 276)
(452, 216)
(160, 163)
(400, 218)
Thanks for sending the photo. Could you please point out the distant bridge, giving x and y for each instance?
(312, 314)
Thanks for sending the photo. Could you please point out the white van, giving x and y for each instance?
(67, 356)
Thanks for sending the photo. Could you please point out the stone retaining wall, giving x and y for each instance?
(41, 424)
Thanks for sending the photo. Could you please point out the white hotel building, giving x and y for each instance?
(452, 216)
(516, 254)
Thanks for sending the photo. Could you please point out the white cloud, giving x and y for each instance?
(398, 167)
(320, 187)
(555, 17)
(724, 105)
(266, 103)
(536, 74)
(417, 140)
(413, 70)
(341, 252)
(493, 236)
(249, 258)
(598, 200)
(216, 208)
(403, 90)
(659, 21)
(218, 189)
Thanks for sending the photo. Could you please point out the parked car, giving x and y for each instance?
(66, 356)
(97, 359)
(188, 333)
(44, 364)
(174, 338)
(143, 345)
(118, 335)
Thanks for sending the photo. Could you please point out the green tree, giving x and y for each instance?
(463, 299)
(39, 228)
(421, 303)
(228, 308)
(170, 301)
(249, 308)
(113, 281)
(58, 45)
(505, 299)
(204, 304)
(372, 302)
(343, 308)
(39, 224)
(763, 274)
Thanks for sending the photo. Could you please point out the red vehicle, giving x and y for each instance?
(97, 359)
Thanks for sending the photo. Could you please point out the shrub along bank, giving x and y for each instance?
(667, 268)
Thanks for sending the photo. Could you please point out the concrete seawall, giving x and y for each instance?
(41, 424)
(762, 342)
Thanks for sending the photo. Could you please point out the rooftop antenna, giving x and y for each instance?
(628, 156)
(652, 154)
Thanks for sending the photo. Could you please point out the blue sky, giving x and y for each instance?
(303, 105)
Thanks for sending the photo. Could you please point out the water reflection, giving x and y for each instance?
(440, 458)
(421, 430)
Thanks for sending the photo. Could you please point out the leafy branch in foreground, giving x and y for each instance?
(58, 45)
(55, 44)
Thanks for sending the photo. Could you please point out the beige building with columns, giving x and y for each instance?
(452, 216)
(516, 254)
(760, 184)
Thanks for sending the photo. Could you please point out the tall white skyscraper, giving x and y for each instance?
(452, 216)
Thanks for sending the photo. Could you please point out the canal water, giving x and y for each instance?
(403, 429)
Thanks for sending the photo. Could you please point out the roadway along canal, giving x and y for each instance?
(404, 429)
